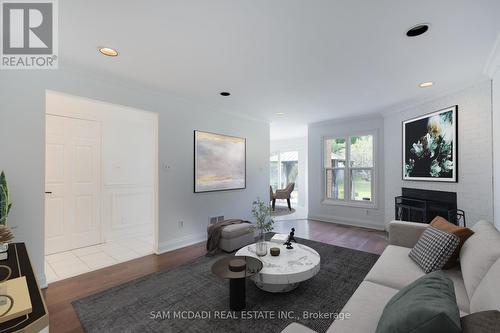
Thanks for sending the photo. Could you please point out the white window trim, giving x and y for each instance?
(347, 177)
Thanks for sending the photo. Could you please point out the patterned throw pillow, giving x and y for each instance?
(462, 233)
(433, 249)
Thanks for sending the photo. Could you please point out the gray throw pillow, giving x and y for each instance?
(481, 322)
(427, 305)
(434, 248)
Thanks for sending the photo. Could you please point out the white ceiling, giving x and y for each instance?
(313, 60)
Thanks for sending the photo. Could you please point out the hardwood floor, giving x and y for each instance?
(336, 234)
(59, 295)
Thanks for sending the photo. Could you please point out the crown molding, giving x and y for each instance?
(493, 62)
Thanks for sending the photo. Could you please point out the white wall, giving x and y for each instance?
(366, 217)
(300, 145)
(496, 144)
(474, 188)
(128, 162)
(22, 137)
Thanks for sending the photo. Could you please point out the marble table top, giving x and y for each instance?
(291, 266)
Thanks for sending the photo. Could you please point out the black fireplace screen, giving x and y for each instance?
(423, 206)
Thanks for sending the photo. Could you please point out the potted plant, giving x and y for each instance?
(264, 222)
(5, 207)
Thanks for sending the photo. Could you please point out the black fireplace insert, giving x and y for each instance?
(416, 205)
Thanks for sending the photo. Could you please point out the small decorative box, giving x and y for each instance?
(275, 251)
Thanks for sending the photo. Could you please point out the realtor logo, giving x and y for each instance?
(29, 34)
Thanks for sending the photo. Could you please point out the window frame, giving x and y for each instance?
(347, 201)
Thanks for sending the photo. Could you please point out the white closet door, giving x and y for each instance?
(72, 184)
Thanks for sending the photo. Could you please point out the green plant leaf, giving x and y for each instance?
(5, 204)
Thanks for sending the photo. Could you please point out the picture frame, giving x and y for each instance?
(430, 147)
(219, 162)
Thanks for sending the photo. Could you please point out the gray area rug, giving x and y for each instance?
(282, 211)
(149, 304)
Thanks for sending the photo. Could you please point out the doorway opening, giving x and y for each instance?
(101, 185)
(284, 169)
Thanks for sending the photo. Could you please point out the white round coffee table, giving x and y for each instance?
(284, 272)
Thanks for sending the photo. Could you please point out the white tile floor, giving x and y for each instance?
(75, 262)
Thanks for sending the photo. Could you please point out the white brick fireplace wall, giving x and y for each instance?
(474, 188)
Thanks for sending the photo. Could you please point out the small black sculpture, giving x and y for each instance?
(288, 243)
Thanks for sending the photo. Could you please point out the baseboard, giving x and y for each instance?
(181, 242)
(42, 281)
(348, 221)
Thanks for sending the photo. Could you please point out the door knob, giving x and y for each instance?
(48, 192)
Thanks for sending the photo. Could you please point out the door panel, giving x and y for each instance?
(84, 212)
(54, 213)
(83, 164)
(73, 184)
(55, 171)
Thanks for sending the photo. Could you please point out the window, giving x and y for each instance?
(284, 169)
(349, 169)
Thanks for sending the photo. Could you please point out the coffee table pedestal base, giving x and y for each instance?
(277, 288)
(237, 294)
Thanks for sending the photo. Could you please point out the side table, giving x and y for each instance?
(236, 269)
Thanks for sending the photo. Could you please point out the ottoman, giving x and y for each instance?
(235, 236)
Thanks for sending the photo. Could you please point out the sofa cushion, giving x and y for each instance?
(434, 249)
(235, 230)
(478, 254)
(481, 322)
(365, 308)
(406, 234)
(462, 233)
(394, 269)
(487, 294)
(297, 328)
(427, 305)
(461, 294)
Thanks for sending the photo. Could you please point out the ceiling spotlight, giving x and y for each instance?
(107, 51)
(225, 94)
(417, 30)
(280, 113)
(426, 84)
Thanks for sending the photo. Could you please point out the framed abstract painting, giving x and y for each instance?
(219, 162)
(430, 147)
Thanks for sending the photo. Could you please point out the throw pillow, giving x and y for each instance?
(481, 322)
(433, 249)
(462, 233)
(428, 305)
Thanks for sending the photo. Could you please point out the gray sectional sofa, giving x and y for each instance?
(476, 281)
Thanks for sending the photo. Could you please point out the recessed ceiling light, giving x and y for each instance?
(417, 30)
(280, 113)
(107, 51)
(225, 93)
(426, 84)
